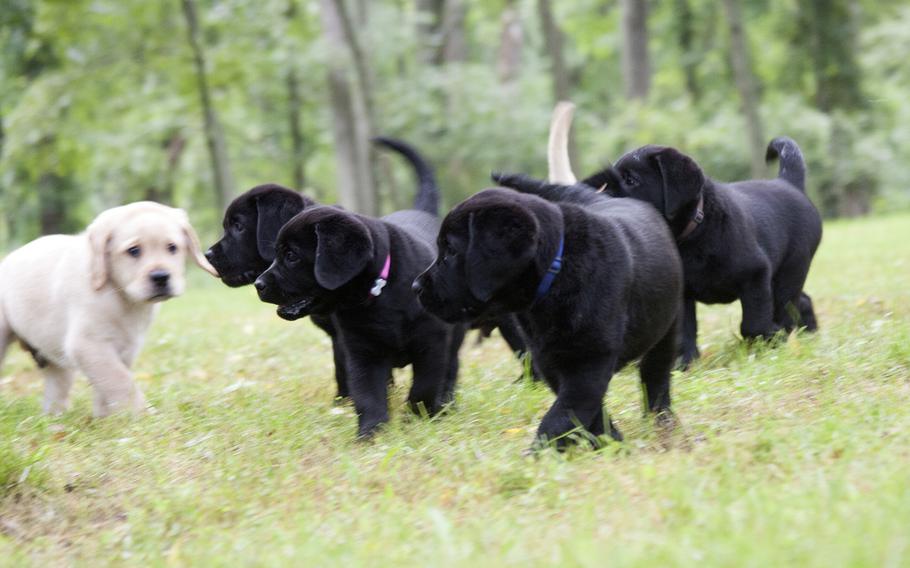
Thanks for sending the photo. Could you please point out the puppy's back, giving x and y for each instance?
(41, 283)
(420, 224)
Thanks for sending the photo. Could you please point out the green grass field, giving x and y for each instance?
(798, 455)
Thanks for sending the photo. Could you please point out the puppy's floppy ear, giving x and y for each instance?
(192, 243)
(99, 234)
(274, 209)
(502, 241)
(682, 179)
(343, 249)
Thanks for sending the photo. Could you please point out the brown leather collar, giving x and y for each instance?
(696, 219)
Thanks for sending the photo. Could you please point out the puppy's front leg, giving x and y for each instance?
(341, 373)
(368, 375)
(579, 401)
(758, 308)
(111, 380)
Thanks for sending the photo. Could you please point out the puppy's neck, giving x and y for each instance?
(692, 215)
(552, 231)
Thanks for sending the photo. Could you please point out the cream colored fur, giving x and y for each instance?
(83, 302)
(558, 144)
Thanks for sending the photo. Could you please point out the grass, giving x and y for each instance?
(798, 455)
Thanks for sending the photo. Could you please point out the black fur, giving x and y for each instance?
(427, 191)
(327, 262)
(616, 298)
(427, 199)
(251, 224)
(755, 243)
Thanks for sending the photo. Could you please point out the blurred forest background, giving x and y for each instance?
(190, 102)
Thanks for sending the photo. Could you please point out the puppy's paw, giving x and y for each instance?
(685, 359)
(666, 420)
(367, 431)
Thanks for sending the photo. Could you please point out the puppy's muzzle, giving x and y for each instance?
(161, 285)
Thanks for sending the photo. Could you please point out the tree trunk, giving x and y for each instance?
(429, 25)
(163, 191)
(454, 45)
(349, 126)
(636, 68)
(745, 84)
(686, 49)
(508, 63)
(214, 134)
(298, 152)
(831, 26)
(554, 40)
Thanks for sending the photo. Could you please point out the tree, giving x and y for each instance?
(554, 42)
(688, 57)
(636, 67)
(511, 41)
(350, 124)
(745, 84)
(295, 102)
(214, 133)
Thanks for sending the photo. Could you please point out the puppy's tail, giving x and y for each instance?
(427, 198)
(792, 167)
(560, 168)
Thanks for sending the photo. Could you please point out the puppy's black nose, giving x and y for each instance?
(416, 286)
(209, 254)
(159, 277)
(259, 284)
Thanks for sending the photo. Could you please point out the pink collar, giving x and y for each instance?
(383, 279)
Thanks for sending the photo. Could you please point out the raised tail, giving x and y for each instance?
(427, 198)
(792, 166)
(560, 168)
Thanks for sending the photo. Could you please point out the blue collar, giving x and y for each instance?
(554, 269)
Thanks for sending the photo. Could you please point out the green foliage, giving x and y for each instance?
(100, 97)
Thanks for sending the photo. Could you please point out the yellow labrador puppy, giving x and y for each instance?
(84, 302)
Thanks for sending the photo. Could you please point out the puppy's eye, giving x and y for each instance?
(172, 248)
(238, 226)
(134, 251)
(629, 179)
(290, 257)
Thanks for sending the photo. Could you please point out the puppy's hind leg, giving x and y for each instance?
(807, 312)
(57, 384)
(6, 337)
(655, 369)
(792, 306)
(688, 344)
(758, 308)
(456, 338)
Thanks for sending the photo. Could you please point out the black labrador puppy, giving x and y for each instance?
(251, 224)
(751, 241)
(596, 283)
(252, 221)
(358, 270)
